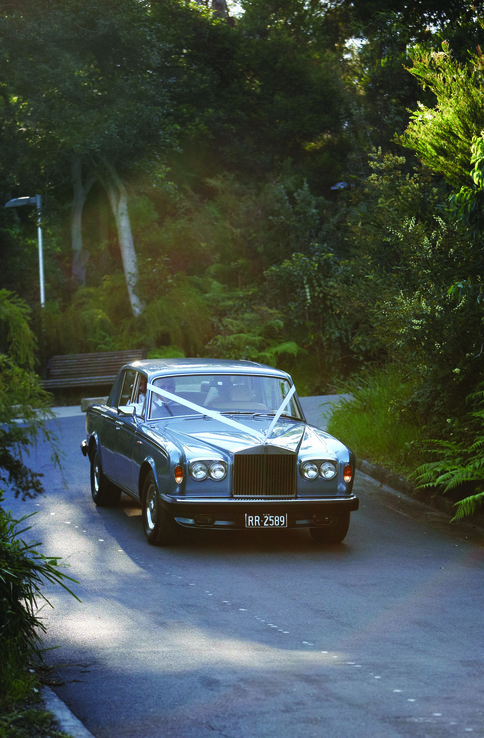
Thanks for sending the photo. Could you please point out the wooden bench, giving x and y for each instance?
(87, 370)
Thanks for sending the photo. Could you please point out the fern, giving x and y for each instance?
(460, 463)
(468, 506)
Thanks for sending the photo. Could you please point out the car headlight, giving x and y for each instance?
(314, 469)
(218, 471)
(310, 470)
(200, 470)
(328, 469)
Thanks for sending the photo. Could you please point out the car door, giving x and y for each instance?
(127, 422)
(112, 423)
(122, 391)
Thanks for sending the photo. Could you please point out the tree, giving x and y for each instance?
(442, 135)
(86, 87)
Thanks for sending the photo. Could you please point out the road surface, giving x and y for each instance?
(262, 634)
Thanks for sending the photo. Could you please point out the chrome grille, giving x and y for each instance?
(264, 475)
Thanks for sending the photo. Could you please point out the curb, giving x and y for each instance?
(66, 720)
(427, 497)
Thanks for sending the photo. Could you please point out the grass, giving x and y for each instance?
(27, 717)
(375, 425)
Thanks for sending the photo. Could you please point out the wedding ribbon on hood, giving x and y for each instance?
(223, 418)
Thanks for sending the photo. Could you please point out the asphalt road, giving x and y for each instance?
(262, 634)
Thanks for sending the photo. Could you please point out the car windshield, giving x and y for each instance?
(223, 393)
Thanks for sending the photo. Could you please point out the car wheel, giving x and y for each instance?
(160, 528)
(104, 493)
(332, 533)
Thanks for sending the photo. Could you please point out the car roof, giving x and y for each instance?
(162, 367)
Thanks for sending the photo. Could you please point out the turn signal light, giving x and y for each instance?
(348, 473)
(178, 474)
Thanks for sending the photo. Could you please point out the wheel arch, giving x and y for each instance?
(147, 466)
(93, 445)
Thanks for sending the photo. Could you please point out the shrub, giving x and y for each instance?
(23, 570)
(459, 467)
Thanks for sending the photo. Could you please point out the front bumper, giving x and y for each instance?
(225, 514)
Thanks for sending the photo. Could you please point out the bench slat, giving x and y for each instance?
(88, 370)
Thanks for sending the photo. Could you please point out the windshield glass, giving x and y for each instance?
(229, 393)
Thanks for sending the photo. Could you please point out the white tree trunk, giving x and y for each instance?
(118, 199)
(80, 192)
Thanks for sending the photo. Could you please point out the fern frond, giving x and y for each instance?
(468, 506)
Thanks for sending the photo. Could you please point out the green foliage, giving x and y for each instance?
(467, 204)
(459, 466)
(28, 719)
(24, 570)
(373, 419)
(442, 135)
(408, 257)
(307, 289)
(178, 318)
(167, 352)
(255, 333)
(20, 396)
(92, 321)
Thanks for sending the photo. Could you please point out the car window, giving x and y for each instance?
(223, 393)
(138, 394)
(127, 387)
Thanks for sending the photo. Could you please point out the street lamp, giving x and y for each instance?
(37, 202)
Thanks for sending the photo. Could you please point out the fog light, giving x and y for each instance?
(204, 520)
(322, 519)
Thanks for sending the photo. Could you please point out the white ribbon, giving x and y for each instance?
(279, 412)
(223, 418)
(205, 411)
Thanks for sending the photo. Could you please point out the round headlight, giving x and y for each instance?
(218, 471)
(198, 471)
(328, 469)
(309, 470)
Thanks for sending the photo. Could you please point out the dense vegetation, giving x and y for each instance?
(300, 184)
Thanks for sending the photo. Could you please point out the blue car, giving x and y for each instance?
(219, 445)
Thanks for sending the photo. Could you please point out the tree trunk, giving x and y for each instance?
(80, 192)
(219, 7)
(118, 198)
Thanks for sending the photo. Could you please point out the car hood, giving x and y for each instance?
(205, 434)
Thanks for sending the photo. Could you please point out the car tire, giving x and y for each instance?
(334, 533)
(104, 493)
(159, 527)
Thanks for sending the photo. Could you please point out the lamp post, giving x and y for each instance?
(37, 202)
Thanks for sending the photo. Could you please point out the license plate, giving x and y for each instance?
(261, 520)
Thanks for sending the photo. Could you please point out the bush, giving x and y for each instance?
(23, 570)
(459, 467)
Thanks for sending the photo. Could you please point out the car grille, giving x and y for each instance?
(264, 475)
